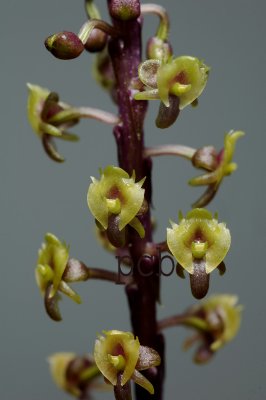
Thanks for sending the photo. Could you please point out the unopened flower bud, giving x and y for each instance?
(64, 45)
(96, 41)
(124, 9)
(158, 49)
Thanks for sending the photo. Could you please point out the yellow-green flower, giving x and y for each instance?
(52, 273)
(72, 373)
(184, 77)
(221, 317)
(221, 166)
(116, 194)
(196, 237)
(121, 353)
(58, 363)
(50, 118)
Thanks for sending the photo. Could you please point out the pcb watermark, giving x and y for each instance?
(165, 266)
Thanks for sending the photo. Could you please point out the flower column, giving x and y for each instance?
(125, 52)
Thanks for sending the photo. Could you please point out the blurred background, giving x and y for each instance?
(38, 195)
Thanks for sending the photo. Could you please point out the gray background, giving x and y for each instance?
(38, 195)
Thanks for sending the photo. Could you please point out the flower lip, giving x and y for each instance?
(181, 77)
(115, 193)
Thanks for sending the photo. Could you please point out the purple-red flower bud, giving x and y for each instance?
(158, 49)
(64, 45)
(96, 41)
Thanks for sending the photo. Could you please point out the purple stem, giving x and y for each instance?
(125, 53)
